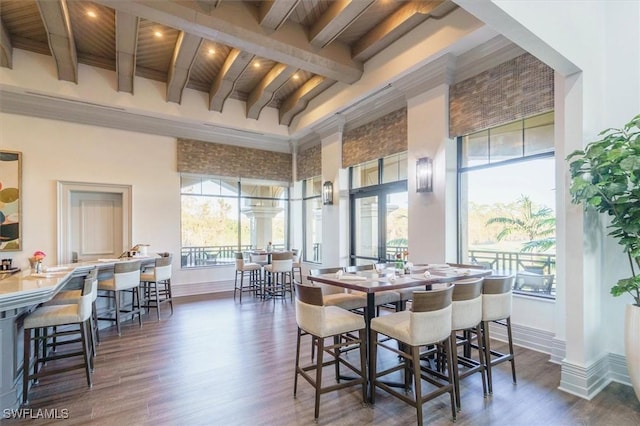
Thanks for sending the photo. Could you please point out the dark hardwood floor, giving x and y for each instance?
(216, 362)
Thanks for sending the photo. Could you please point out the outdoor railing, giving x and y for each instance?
(197, 256)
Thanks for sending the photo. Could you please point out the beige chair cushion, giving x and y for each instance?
(121, 281)
(49, 316)
(325, 321)
(415, 328)
(466, 313)
(65, 297)
(382, 297)
(407, 293)
(496, 306)
(344, 300)
(279, 266)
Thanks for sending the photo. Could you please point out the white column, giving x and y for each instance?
(432, 216)
(335, 218)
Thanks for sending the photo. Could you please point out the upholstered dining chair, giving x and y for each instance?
(389, 297)
(156, 285)
(496, 309)
(253, 273)
(125, 279)
(466, 310)
(278, 275)
(54, 316)
(336, 296)
(428, 323)
(320, 322)
(66, 297)
(297, 264)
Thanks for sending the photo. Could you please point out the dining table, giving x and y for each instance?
(372, 281)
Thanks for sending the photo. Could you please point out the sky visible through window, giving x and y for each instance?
(506, 184)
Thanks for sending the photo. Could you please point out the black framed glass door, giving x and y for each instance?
(379, 224)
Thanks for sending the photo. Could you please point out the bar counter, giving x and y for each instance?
(20, 293)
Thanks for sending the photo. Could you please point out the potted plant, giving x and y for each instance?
(605, 176)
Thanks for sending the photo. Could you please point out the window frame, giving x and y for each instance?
(461, 170)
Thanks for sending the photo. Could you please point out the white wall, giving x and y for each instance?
(595, 47)
(55, 150)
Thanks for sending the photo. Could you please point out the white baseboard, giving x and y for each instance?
(526, 337)
(585, 381)
(581, 381)
(193, 289)
(558, 350)
(618, 371)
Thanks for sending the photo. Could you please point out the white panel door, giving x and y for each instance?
(96, 225)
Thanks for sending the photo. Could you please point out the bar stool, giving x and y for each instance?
(496, 309)
(428, 323)
(253, 271)
(279, 279)
(336, 296)
(126, 278)
(66, 297)
(466, 308)
(53, 316)
(390, 297)
(156, 285)
(297, 265)
(320, 322)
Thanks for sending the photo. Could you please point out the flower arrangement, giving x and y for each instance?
(36, 260)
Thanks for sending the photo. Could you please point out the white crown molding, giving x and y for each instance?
(66, 109)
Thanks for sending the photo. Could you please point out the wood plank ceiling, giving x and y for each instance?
(276, 53)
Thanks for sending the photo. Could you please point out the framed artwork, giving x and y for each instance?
(10, 201)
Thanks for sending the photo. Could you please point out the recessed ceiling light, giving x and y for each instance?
(296, 76)
(212, 51)
(256, 64)
(158, 34)
(92, 14)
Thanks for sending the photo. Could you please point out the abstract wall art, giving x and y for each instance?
(10, 200)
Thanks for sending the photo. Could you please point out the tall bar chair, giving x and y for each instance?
(390, 297)
(297, 265)
(428, 323)
(156, 284)
(278, 275)
(319, 321)
(126, 279)
(54, 316)
(496, 309)
(252, 271)
(66, 297)
(336, 296)
(466, 308)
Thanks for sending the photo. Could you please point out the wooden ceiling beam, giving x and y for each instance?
(126, 46)
(6, 50)
(263, 93)
(335, 20)
(233, 67)
(184, 56)
(55, 17)
(235, 24)
(392, 28)
(299, 99)
(274, 13)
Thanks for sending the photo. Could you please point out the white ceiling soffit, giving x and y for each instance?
(64, 109)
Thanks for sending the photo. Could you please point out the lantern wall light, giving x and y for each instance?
(424, 175)
(327, 193)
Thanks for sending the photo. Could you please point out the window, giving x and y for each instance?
(507, 201)
(312, 219)
(221, 216)
(379, 207)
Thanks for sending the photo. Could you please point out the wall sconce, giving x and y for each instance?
(424, 175)
(327, 193)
